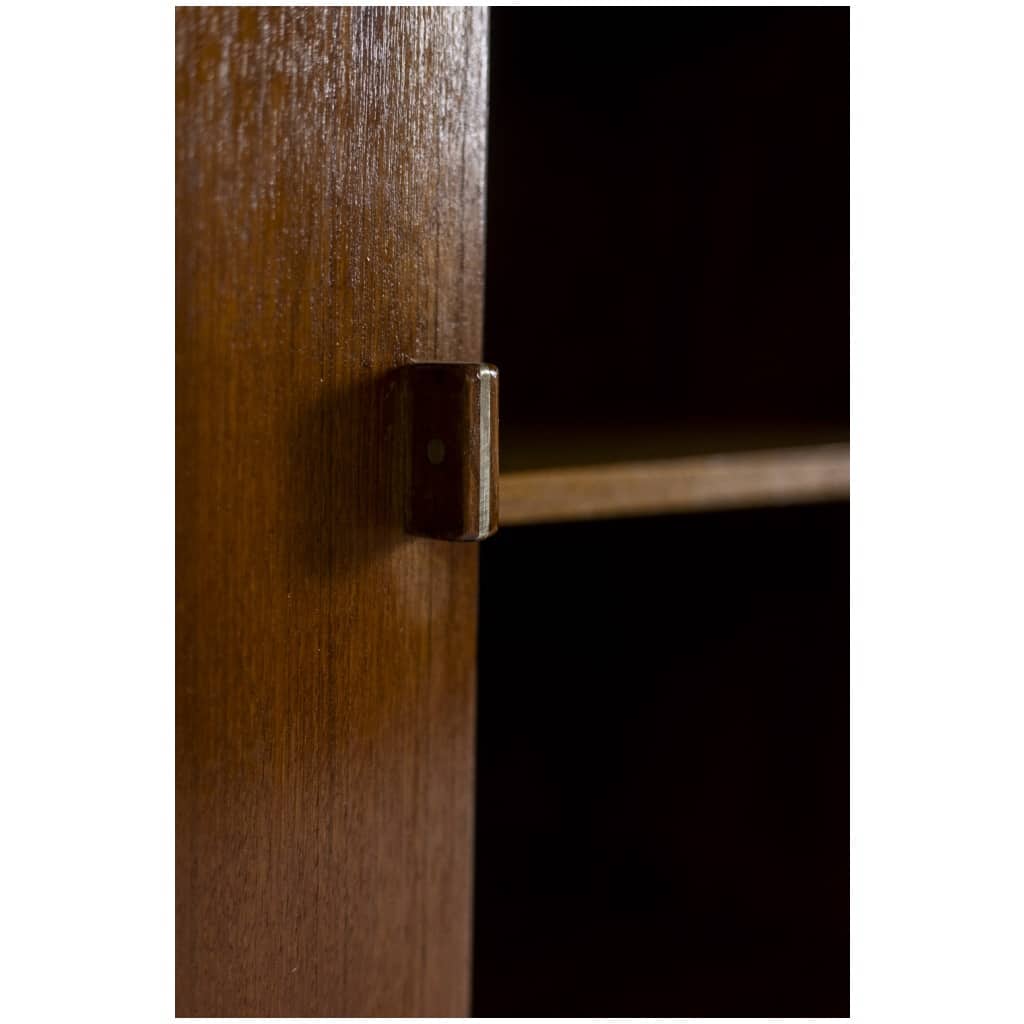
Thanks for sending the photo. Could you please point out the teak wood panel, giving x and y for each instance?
(330, 175)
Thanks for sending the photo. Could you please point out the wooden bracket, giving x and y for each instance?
(453, 450)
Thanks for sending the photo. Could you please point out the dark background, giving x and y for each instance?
(668, 215)
(662, 803)
(662, 786)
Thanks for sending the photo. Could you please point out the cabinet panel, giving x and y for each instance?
(329, 230)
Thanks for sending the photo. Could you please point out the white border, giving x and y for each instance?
(86, 412)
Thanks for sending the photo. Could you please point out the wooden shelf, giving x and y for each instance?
(732, 479)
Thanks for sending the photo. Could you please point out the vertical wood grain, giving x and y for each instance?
(330, 171)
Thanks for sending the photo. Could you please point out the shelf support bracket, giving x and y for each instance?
(453, 450)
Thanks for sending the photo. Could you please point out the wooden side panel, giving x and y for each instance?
(330, 172)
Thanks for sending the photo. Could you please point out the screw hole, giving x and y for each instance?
(435, 451)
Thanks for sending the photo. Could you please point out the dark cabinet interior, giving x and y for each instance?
(662, 755)
(662, 774)
(667, 224)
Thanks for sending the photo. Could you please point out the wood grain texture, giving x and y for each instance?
(453, 458)
(699, 482)
(330, 175)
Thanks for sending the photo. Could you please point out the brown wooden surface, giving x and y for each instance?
(330, 173)
(453, 458)
(729, 480)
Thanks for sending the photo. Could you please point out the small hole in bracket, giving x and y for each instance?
(435, 451)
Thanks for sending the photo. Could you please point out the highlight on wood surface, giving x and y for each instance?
(779, 476)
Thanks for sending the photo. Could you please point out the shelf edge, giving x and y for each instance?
(780, 476)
